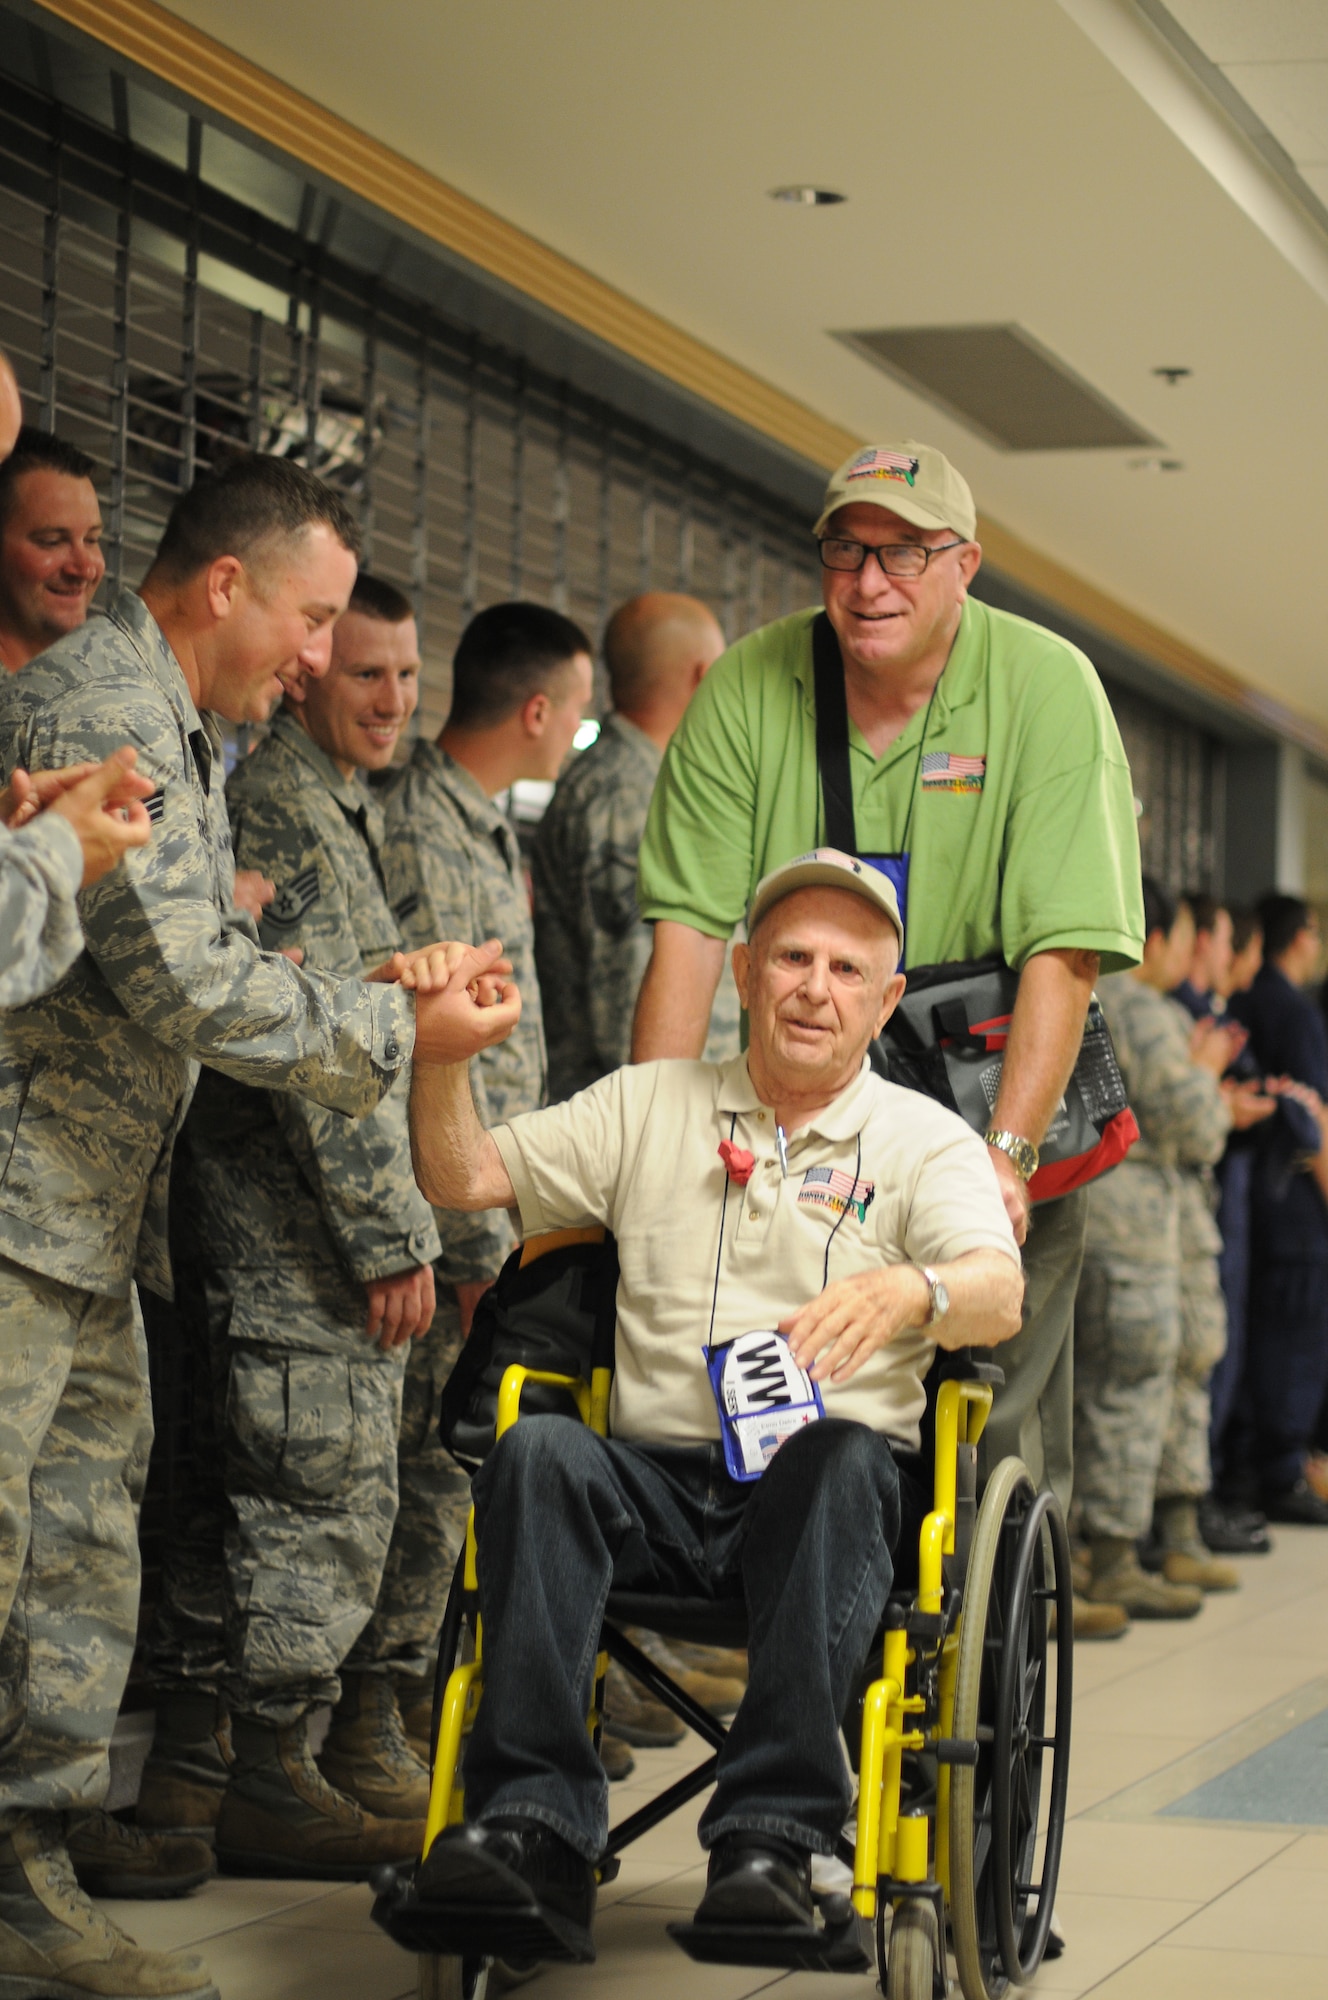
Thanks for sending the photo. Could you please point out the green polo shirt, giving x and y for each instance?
(1023, 835)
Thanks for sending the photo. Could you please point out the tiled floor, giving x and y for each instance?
(1154, 1908)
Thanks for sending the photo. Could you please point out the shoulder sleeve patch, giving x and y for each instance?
(293, 901)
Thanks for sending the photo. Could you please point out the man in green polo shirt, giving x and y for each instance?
(983, 748)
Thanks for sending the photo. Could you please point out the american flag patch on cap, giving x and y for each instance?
(943, 771)
(876, 464)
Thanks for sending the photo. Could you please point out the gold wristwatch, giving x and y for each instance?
(1021, 1153)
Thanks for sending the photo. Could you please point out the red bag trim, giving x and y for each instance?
(1064, 1176)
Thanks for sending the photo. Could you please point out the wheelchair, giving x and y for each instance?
(962, 1746)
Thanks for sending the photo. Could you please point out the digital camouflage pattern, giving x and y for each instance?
(1185, 1471)
(1128, 1332)
(454, 870)
(73, 1462)
(293, 1209)
(591, 945)
(41, 867)
(94, 1079)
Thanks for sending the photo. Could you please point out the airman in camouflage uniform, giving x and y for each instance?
(94, 1083)
(1133, 1431)
(452, 857)
(41, 868)
(591, 947)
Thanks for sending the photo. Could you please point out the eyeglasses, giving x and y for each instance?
(907, 559)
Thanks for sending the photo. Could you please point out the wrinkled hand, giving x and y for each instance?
(853, 1317)
(400, 1307)
(469, 1292)
(464, 1001)
(1247, 1103)
(1014, 1193)
(253, 892)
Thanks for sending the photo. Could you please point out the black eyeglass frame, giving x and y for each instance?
(881, 549)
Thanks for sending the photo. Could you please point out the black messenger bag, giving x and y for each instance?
(947, 1036)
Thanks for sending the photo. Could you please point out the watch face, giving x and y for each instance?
(940, 1300)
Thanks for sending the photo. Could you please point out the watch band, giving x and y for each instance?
(938, 1299)
(1021, 1153)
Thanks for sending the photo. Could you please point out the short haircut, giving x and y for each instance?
(1245, 927)
(1206, 909)
(40, 451)
(1159, 908)
(374, 597)
(250, 501)
(505, 655)
(1281, 918)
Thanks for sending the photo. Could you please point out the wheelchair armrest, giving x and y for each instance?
(984, 1371)
(513, 1383)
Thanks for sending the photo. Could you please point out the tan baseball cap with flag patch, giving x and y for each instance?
(913, 480)
(826, 868)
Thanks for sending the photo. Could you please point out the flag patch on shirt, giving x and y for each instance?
(828, 1187)
(942, 771)
(155, 805)
(873, 464)
(291, 903)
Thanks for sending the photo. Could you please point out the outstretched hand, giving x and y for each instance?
(465, 1000)
(103, 803)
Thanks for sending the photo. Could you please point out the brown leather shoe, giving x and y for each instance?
(112, 1858)
(281, 1817)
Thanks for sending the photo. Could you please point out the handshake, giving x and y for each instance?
(465, 998)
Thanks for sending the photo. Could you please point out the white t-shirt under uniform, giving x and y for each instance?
(881, 1176)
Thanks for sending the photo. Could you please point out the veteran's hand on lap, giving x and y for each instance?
(834, 1333)
(400, 1307)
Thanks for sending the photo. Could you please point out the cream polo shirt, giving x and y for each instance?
(881, 1176)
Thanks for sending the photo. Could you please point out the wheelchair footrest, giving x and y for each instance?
(520, 1935)
(844, 1946)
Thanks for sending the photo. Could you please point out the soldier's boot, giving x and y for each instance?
(415, 1707)
(57, 1945)
(366, 1753)
(281, 1817)
(1119, 1578)
(1185, 1555)
(112, 1858)
(185, 1775)
(635, 1717)
(616, 1757)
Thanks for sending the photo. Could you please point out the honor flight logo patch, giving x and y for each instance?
(290, 904)
(942, 771)
(874, 464)
(827, 1187)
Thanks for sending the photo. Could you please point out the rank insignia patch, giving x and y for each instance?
(407, 907)
(155, 806)
(291, 903)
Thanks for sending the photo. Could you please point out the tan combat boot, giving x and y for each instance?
(635, 1717)
(415, 1707)
(1186, 1557)
(281, 1817)
(113, 1859)
(187, 1767)
(56, 1945)
(1119, 1578)
(366, 1753)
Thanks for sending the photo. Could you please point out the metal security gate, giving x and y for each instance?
(160, 323)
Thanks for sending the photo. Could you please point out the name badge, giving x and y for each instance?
(762, 1397)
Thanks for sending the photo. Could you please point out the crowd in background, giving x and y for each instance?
(323, 1303)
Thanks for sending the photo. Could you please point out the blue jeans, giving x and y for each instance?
(561, 1515)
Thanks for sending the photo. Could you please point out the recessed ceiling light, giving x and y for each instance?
(807, 197)
(1157, 465)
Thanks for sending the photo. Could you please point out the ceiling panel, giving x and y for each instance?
(1233, 31)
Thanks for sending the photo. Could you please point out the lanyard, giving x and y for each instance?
(832, 742)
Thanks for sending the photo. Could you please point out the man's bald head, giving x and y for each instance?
(11, 408)
(657, 648)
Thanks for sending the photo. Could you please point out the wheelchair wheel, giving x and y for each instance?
(1001, 1702)
(453, 1978)
(910, 1962)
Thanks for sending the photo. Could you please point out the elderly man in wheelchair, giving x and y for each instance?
(797, 1238)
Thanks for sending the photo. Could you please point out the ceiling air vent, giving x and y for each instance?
(1001, 383)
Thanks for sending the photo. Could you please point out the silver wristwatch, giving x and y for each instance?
(940, 1297)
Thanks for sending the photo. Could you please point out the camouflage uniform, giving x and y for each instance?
(453, 870)
(41, 867)
(94, 1082)
(294, 1209)
(1137, 1402)
(591, 947)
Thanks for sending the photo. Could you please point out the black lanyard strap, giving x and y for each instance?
(832, 742)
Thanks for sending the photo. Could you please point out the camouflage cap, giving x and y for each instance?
(913, 480)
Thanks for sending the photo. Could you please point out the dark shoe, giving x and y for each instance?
(112, 1858)
(187, 1768)
(1297, 1506)
(617, 1759)
(756, 1878)
(512, 1886)
(281, 1817)
(1229, 1529)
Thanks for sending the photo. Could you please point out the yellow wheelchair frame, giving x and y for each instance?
(951, 1750)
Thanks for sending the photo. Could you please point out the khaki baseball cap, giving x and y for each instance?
(826, 868)
(913, 480)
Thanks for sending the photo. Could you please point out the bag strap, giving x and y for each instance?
(832, 737)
